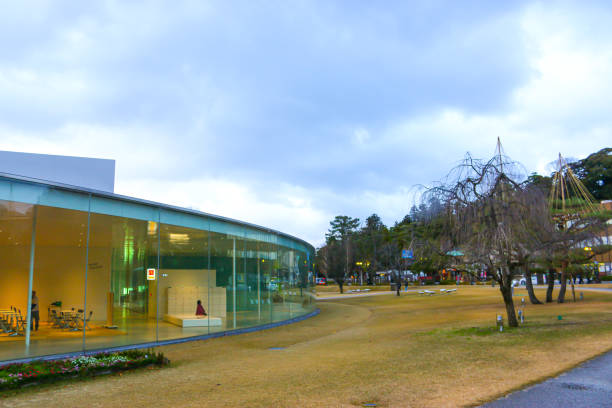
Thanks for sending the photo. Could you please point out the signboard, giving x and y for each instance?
(151, 274)
(407, 254)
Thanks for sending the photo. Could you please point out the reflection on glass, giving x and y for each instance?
(225, 263)
(15, 240)
(185, 279)
(121, 298)
(89, 265)
(59, 281)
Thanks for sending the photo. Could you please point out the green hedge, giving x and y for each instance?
(605, 278)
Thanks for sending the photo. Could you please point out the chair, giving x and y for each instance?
(73, 320)
(63, 320)
(86, 321)
(5, 325)
(55, 319)
(20, 324)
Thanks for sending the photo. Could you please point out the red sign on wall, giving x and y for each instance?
(151, 274)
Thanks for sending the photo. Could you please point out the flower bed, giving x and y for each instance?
(21, 374)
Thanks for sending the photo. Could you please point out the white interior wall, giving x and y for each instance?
(14, 273)
(191, 285)
(59, 274)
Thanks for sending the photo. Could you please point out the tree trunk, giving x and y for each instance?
(563, 280)
(540, 279)
(551, 285)
(505, 288)
(340, 284)
(532, 297)
(573, 291)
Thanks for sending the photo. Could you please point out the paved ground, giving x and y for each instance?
(350, 295)
(326, 296)
(597, 289)
(588, 385)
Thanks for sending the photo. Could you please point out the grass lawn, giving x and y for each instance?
(396, 352)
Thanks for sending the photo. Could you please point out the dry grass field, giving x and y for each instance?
(411, 351)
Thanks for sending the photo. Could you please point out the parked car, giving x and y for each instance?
(522, 281)
(321, 281)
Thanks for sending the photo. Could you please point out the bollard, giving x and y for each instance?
(581, 296)
(521, 315)
(523, 302)
(500, 323)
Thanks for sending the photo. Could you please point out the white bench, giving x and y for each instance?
(191, 320)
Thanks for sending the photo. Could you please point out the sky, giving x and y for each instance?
(287, 113)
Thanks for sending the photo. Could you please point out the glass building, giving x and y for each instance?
(111, 271)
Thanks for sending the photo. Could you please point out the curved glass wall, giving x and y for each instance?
(84, 270)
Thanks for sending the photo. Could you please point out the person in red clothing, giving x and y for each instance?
(200, 309)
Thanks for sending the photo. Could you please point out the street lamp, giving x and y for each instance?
(595, 271)
(363, 266)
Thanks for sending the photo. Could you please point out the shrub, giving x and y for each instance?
(17, 375)
(605, 278)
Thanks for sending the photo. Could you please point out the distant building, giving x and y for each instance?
(110, 271)
(84, 172)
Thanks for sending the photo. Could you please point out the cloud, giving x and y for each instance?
(287, 114)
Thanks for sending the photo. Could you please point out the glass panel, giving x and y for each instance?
(227, 263)
(310, 281)
(188, 292)
(243, 276)
(269, 284)
(59, 281)
(257, 292)
(281, 302)
(304, 280)
(121, 302)
(15, 240)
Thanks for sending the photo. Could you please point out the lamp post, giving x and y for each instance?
(588, 249)
(363, 266)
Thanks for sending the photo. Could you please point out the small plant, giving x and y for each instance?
(17, 375)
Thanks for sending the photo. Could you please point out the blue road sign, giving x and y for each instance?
(407, 254)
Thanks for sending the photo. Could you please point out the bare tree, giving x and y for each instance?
(492, 217)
